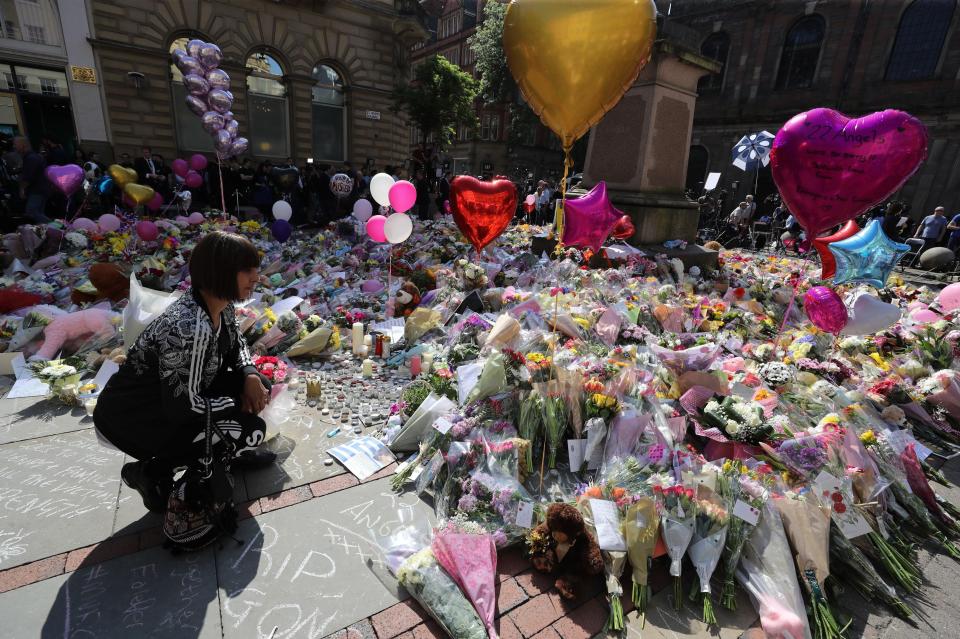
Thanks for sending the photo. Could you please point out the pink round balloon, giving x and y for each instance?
(180, 167)
(147, 230)
(155, 202)
(181, 220)
(825, 309)
(915, 305)
(193, 180)
(196, 218)
(84, 224)
(830, 168)
(949, 298)
(109, 223)
(198, 162)
(403, 195)
(375, 228)
(531, 199)
(924, 316)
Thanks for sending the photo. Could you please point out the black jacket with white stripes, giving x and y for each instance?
(173, 363)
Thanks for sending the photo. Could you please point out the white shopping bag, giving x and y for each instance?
(145, 305)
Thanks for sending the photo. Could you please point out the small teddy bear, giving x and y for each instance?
(563, 544)
(408, 298)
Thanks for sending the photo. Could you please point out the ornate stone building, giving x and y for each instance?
(310, 78)
(782, 57)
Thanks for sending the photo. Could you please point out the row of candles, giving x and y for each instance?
(362, 345)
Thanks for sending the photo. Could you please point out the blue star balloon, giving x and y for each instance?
(868, 256)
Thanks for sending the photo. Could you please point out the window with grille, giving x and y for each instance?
(49, 87)
(36, 34)
(716, 47)
(801, 53)
(920, 38)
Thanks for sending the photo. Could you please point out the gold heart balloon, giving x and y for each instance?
(121, 175)
(574, 60)
(138, 193)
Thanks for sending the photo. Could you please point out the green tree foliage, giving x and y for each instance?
(439, 98)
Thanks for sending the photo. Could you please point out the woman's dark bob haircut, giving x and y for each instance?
(216, 261)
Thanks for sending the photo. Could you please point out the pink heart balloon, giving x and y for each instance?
(403, 195)
(375, 228)
(66, 178)
(830, 168)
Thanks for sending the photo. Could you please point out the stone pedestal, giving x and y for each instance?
(641, 146)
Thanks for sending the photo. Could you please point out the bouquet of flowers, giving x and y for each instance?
(740, 420)
(807, 523)
(469, 556)
(555, 419)
(273, 368)
(706, 547)
(641, 528)
(417, 569)
(745, 489)
(530, 423)
(676, 506)
(614, 561)
(62, 376)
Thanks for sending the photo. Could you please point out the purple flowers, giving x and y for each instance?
(467, 503)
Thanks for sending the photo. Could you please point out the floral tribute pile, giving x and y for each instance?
(693, 421)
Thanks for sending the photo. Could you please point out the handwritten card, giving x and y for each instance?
(467, 377)
(575, 449)
(525, 514)
(443, 425)
(851, 523)
(746, 512)
(606, 518)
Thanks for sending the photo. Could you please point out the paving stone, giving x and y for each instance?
(398, 619)
(29, 573)
(429, 630)
(317, 566)
(537, 614)
(286, 498)
(510, 562)
(536, 583)
(103, 551)
(584, 622)
(663, 621)
(360, 630)
(148, 593)
(32, 417)
(509, 595)
(548, 633)
(333, 484)
(54, 485)
(507, 629)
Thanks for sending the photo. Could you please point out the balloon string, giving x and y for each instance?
(558, 218)
(786, 316)
(223, 198)
(391, 312)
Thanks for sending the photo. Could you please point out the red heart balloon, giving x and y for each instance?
(482, 210)
(828, 263)
(623, 229)
(830, 168)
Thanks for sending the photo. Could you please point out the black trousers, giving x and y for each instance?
(176, 445)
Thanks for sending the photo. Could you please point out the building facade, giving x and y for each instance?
(311, 79)
(783, 57)
(491, 149)
(48, 83)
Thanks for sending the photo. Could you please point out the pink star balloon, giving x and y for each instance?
(588, 220)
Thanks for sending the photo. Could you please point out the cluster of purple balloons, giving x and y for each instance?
(209, 96)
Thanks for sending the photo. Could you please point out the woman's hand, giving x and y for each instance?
(255, 395)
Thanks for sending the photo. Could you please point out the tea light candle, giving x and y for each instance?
(415, 366)
(357, 336)
(367, 370)
(293, 383)
(90, 405)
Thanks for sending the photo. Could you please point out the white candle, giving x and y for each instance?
(368, 341)
(90, 405)
(357, 336)
(363, 350)
(367, 370)
(293, 383)
(386, 348)
(426, 363)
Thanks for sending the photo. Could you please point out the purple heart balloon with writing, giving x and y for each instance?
(193, 47)
(67, 178)
(238, 146)
(196, 84)
(222, 141)
(218, 79)
(830, 168)
(220, 100)
(232, 126)
(195, 104)
(211, 121)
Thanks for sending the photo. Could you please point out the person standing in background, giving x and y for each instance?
(33, 182)
(422, 183)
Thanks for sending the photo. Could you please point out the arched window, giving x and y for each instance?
(190, 133)
(801, 52)
(716, 47)
(267, 99)
(920, 37)
(329, 141)
(697, 167)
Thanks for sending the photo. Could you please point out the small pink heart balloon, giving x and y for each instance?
(830, 168)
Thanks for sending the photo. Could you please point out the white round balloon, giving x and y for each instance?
(362, 210)
(398, 228)
(282, 210)
(380, 188)
(341, 185)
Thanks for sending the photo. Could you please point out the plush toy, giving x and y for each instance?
(91, 322)
(107, 281)
(408, 298)
(563, 545)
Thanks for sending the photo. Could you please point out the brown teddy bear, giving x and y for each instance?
(563, 544)
(408, 297)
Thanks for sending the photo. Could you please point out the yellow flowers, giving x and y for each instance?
(868, 437)
(602, 401)
(880, 362)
